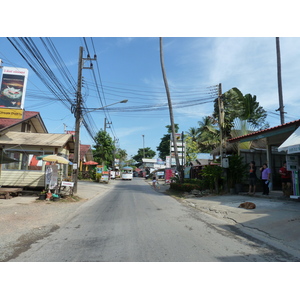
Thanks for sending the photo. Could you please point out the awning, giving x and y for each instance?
(292, 144)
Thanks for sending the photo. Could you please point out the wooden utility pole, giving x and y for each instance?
(221, 120)
(281, 107)
(170, 106)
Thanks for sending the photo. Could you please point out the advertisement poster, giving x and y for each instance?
(51, 176)
(12, 91)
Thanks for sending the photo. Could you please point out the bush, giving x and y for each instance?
(98, 177)
(212, 176)
(184, 187)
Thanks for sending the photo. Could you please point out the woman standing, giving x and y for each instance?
(286, 179)
(252, 178)
(265, 176)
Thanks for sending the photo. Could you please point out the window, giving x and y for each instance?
(26, 160)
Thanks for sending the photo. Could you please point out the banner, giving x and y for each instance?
(13, 87)
(51, 176)
(9, 113)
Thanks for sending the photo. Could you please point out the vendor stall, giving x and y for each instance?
(292, 148)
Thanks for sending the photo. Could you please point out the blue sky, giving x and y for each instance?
(130, 69)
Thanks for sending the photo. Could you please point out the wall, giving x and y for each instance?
(22, 178)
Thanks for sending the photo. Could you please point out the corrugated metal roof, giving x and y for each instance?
(261, 132)
(36, 139)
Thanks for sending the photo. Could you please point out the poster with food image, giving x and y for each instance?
(13, 87)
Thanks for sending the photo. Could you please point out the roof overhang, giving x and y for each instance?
(275, 135)
(37, 139)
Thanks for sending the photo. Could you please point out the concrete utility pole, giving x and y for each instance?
(78, 113)
(170, 107)
(143, 145)
(106, 123)
(281, 107)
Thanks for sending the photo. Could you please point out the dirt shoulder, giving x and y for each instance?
(25, 220)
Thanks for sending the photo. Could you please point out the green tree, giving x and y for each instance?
(208, 135)
(104, 148)
(140, 154)
(164, 146)
(191, 149)
(121, 155)
(237, 105)
(193, 133)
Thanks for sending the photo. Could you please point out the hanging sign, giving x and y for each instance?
(12, 92)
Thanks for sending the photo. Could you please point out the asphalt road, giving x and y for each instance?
(134, 223)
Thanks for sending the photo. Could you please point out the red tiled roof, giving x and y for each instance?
(83, 150)
(4, 123)
(296, 122)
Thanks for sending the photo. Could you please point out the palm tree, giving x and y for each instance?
(208, 134)
(193, 133)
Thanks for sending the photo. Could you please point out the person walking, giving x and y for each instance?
(286, 179)
(266, 177)
(252, 178)
(154, 182)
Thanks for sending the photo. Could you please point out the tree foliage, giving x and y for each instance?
(237, 105)
(104, 148)
(206, 136)
(121, 154)
(164, 146)
(140, 155)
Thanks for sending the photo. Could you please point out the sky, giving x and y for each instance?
(228, 42)
(129, 68)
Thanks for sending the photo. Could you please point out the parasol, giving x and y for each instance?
(56, 158)
(90, 163)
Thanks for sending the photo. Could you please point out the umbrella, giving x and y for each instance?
(56, 158)
(90, 163)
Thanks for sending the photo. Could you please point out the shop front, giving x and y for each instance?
(292, 148)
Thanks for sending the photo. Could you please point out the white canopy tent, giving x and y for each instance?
(291, 144)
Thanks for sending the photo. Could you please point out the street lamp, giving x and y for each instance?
(100, 108)
(79, 118)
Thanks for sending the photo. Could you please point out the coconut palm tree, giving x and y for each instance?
(208, 134)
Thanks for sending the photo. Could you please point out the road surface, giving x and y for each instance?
(134, 223)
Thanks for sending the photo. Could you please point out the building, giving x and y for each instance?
(22, 141)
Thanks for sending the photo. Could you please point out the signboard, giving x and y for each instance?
(187, 172)
(292, 162)
(9, 113)
(12, 92)
(105, 176)
(168, 174)
(51, 176)
(168, 161)
(67, 183)
(99, 169)
(293, 149)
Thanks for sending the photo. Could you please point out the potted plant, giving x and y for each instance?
(42, 195)
(236, 173)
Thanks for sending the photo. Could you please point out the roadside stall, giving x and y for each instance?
(54, 174)
(169, 173)
(105, 176)
(292, 148)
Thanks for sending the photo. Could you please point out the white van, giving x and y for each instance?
(127, 173)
